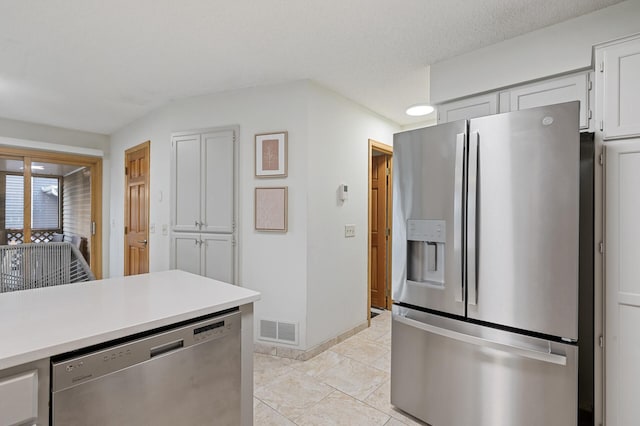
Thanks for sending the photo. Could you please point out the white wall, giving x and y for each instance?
(275, 264)
(556, 49)
(56, 135)
(339, 131)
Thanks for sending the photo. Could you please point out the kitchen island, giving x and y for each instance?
(38, 324)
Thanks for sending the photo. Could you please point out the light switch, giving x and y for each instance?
(152, 228)
(165, 229)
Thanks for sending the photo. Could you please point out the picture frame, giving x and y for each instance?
(271, 155)
(271, 206)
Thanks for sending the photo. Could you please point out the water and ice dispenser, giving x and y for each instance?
(426, 251)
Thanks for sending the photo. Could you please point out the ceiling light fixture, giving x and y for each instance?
(34, 167)
(419, 110)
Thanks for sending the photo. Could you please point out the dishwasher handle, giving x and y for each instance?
(165, 348)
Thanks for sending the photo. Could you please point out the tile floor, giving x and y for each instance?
(345, 385)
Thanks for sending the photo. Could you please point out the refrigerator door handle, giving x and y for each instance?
(479, 341)
(457, 216)
(472, 200)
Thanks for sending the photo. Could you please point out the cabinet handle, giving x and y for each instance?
(198, 224)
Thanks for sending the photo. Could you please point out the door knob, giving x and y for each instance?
(143, 242)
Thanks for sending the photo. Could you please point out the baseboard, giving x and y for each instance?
(302, 355)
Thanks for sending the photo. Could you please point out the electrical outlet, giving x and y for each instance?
(349, 231)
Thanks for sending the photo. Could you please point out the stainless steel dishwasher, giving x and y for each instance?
(189, 375)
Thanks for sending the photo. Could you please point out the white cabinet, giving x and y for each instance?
(622, 294)
(549, 92)
(618, 64)
(203, 181)
(477, 106)
(204, 202)
(19, 398)
(209, 255)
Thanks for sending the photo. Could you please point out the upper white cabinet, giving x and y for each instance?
(618, 66)
(203, 181)
(477, 106)
(549, 92)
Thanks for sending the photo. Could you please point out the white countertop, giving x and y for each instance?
(40, 323)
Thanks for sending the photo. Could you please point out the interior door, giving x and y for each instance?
(378, 234)
(428, 168)
(136, 258)
(523, 243)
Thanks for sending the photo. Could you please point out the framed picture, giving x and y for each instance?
(271, 209)
(271, 155)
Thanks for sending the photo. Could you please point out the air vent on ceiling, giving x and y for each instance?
(278, 331)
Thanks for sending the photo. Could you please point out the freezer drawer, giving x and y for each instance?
(447, 372)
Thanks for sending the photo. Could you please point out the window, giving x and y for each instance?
(14, 204)
(45, 203)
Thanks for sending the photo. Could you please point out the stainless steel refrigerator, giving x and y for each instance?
(492, 244)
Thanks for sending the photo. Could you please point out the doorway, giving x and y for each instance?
(136, 209)
(379, 247)
(50, 196)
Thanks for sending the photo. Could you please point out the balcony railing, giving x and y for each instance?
(16, 236)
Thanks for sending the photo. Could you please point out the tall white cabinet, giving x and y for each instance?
(618, 114)
(204, 202)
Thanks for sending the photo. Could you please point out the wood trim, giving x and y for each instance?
(95, 166)
(386, 149)
(146, 146)
(26, 215)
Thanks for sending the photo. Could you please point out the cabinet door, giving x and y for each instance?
(622, 310)
(565, 89)
(478, 106)
(621, 106)
(217, 177)
(185, 252)
(186, 188)
(217, 262)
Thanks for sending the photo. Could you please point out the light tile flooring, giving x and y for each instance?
(346, 385)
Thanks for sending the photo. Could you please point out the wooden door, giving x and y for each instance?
(379, 229)
(622, 290)
(136, 217)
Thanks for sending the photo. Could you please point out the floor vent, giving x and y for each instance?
(279, 331)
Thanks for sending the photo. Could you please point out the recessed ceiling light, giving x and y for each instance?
(419, 110)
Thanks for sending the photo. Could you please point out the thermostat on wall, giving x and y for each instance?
(344, 192)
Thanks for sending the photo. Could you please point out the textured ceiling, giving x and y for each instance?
(97, 65)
